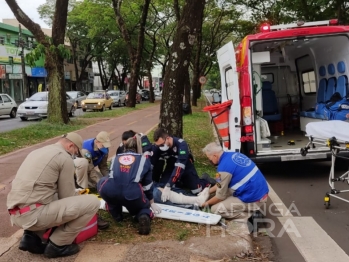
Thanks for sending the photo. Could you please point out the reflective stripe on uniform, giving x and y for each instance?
(147, 187)
(180, 140)
(140, 169)
(180, 165)
(245, 179)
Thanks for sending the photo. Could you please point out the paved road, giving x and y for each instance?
(140, 121)
(317, 232)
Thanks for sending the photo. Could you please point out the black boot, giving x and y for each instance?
(209, 179)
(144, 224)
(52, 250)
(252, 226)
(32, 243)
(102, 224)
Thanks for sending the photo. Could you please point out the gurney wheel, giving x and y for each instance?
(327, 201)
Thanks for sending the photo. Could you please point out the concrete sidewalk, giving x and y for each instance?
(215, 246)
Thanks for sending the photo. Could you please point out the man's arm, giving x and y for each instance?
(103, 166)
(182, 160)
(221, 189)
(66, 183)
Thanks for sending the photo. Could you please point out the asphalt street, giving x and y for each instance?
(301, 187)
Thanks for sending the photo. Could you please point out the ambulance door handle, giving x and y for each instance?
(236, 119)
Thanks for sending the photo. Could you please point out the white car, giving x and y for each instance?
(118, 96)
(36, 106)
(8, 106)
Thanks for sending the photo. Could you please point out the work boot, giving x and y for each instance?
(144, 224)
(209, 179)
(32, 243)
(102, 224)
(52, 250)
(252, 226)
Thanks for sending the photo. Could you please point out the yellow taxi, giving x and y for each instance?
(97, 100)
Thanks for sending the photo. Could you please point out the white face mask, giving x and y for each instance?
(164, 147)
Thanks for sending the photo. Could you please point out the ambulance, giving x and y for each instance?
(276, 80)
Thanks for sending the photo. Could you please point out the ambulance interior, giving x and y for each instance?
(290, 76)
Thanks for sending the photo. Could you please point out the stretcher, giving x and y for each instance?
(333, 134)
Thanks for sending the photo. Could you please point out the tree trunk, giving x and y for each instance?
(56, 94)
(195, 83)
(187, 87)
(134, 53)
(151, 88)
(57, 104)
(188, 27)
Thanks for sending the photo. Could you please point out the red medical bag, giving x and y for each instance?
(86, 233)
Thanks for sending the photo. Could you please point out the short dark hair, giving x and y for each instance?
(127, 134)
(160, 133)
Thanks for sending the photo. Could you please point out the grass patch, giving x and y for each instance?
(126, 232)
(33, 134)
(117, 112)
(198, 132)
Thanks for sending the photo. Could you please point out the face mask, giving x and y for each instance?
(104, 150)
(164, 147)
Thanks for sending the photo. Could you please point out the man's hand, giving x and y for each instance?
(82, 191)
(156, 209)
(166, 194)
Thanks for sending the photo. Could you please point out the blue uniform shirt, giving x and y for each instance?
(131, 168)
(97, 156)
(247, 182)
(177, 158)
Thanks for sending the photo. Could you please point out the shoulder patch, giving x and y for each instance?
(182, 152)
(127, 160)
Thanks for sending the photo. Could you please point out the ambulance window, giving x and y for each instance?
(309, 84)
(229, 81)
(268, 77)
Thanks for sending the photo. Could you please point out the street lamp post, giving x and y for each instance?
(21, 44)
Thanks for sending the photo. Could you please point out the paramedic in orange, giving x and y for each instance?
(47, 174)
(241, 187)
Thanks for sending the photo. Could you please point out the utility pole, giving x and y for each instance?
(21, 44)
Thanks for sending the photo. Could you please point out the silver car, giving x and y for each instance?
(78, 96)
(8, 106)
(36, 106)
(118, 96)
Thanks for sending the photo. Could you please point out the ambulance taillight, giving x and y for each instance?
(247, 115)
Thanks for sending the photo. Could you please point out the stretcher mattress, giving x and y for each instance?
(327, 129)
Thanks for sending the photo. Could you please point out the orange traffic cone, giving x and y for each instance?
(220, 116)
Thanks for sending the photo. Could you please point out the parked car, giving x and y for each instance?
(8, 106)
(145, 94)
(97, 100)
(118, 96)
(36, 106)
(78, 96)
(138, 98)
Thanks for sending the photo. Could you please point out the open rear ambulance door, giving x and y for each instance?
(230, 91)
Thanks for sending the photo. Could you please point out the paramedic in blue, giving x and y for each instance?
(130, 185)
(241, 187)
(179, 170)
(96, 152)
